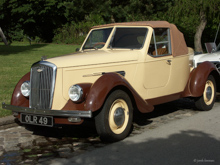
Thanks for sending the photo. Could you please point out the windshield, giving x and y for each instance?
(123, 38)
(129, 38)
(97, 38)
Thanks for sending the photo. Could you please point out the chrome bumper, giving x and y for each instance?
(48, 112)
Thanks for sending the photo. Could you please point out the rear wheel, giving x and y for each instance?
(207, 100)
(114, 121)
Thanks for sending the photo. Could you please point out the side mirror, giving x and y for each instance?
(77, 49)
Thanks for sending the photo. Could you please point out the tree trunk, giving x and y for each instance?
(3, 36)
(199, 31)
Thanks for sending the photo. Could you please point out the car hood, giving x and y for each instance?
(207, 57)
(94, 58)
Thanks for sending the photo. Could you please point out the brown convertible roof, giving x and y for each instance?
(138, 23)
(178, 43)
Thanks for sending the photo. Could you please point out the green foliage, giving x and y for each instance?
(59, 20)
(76, 32)
(35, 18)
(186, 15)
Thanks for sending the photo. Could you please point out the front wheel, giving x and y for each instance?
(207, 100)
(114, 121)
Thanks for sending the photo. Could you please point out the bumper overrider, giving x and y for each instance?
(72, 115)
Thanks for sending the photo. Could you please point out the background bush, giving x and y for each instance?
(68, 21)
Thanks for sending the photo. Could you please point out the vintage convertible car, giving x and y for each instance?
(120, 68)
(213, 56)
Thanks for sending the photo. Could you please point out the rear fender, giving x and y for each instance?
(197, 79)
(105, 84)
(17, 98)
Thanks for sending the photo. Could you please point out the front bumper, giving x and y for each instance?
(48, 112)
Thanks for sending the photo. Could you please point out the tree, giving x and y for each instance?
(3, 36)
(195, 15)
(44, 18)
(33, 18)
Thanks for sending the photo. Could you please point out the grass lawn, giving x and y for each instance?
(16, 61)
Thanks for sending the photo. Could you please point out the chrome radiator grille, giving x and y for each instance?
(42, 85)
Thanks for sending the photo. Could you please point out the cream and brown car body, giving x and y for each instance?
(159, 70)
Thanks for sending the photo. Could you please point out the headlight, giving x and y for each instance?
(25, 88)
(75, 93)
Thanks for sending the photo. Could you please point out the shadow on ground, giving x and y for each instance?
(164, 109)
(87, 129)
(187, 147)
(167, 108)
(8, 50)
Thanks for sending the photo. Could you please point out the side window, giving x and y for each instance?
(160, 42)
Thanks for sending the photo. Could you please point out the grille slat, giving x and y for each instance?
(42, 85)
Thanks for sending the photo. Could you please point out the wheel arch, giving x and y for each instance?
(216, 76)
(126, 90)
(108, 83)
(198, 77)
(17, 98)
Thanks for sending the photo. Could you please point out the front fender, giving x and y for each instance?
(197, 79)
(104, 85)
(17, 98)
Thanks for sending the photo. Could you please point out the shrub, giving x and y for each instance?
(75, 33)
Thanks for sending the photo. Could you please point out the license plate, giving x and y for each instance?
(37, 120)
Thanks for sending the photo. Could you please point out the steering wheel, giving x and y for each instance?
(98, 43)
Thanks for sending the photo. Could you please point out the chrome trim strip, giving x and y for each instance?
(61, 113)
(102, 73)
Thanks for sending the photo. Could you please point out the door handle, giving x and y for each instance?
(169, 62)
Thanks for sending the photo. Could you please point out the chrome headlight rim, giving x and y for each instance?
(25, 88)
(75, 93)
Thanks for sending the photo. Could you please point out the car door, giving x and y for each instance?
(158, 63)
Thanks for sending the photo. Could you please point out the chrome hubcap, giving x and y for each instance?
(119, 116)
(209, 93)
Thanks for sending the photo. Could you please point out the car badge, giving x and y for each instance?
(40, 70)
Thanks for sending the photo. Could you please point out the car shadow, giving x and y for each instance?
(87, 130)
(164, 109)
(168, 108)
(11, 49)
